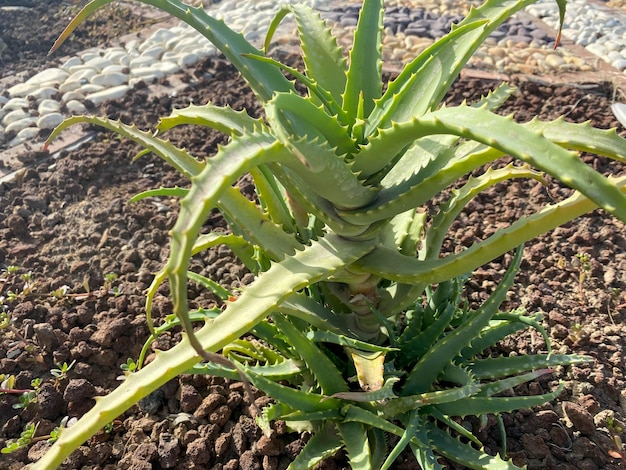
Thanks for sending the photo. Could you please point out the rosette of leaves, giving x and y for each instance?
(356, 344)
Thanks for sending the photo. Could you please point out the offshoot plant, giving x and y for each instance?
(582, 261)
(615, 430)
(363, 327)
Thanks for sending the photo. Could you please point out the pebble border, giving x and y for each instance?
(40, 103)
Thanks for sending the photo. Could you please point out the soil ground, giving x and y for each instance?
(68, 222)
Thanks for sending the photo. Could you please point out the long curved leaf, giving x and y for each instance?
(391, 265)
(503, 134)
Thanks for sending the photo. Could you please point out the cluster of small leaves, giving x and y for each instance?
(27, 398)
(28, 436)
(25, 439)
(615, 431)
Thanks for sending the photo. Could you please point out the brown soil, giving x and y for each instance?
(67, 221)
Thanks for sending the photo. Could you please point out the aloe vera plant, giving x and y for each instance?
(364, 331)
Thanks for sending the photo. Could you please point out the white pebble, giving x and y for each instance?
(22, 89)
(98, 63)
(24, 135)
(155, 52)
(76, 107)
(44, 93)
(185, 60)
(166, 67)
(69, 86)
(17, 126)
(113, 68)
(14, 116)
(50, 121)
(115, 56)
(53, 75)
(146, 73)
(143, 61)
(110, 79)
(619, 64)
(613, 56)
(16, 103)
(91, 88)
(161, 35)
(131, 45)
(73, 95)
(48, 106)
(125, 60)
(108, 94)
(90, 54)
(113, 51)
(71, 62)
(596, 49)
(84, 74)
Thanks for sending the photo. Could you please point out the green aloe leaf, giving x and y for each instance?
(503, 134)
(354, 438)
(323, 58)
(390, 264)
(429, 366)
(181, 160)
(495, 367)
(476, 406)
(324, 443)
(423, 82)
(465, 454)
(223, 118)
(325, 372)
(364, 78)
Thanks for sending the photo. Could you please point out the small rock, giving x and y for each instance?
(210, 402)
(79, 389)
(268, 446)
(17, 225)
(199, 451)
(248, 461)
(580, 419)
(220, 416)
(50, 401)
(554, 60)
(535, 446)
(190, 399)
(37, 450)
(44, 333)
(168, 450)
